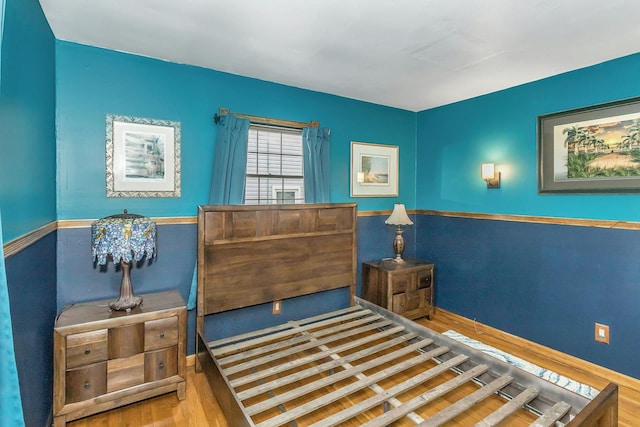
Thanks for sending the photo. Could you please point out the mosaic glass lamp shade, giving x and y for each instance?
(123, 238)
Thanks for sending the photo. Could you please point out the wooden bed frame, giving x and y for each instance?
(360, 365)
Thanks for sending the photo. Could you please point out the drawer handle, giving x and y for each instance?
(87, 385)
(87, 351)
(161, 334)
(161, 365)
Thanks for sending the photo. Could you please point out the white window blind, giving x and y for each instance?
(275, 172)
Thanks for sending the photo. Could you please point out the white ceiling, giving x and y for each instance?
(410, 54)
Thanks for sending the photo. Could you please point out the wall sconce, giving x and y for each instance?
(490, 175)
(399, 219)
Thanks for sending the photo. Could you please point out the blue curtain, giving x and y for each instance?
(315, 143)
(229, 171)
(10, 403)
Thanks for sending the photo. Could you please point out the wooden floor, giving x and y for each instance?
(201, 409)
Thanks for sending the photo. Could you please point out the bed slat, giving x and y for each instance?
(299, 348)
(308, 359)
(424, 398)
(331, 364)
(467, 402)
(239, 346)
(260, 332)
(344, 391)
(390, 393)
(509, 408)
(332, 379)
(554, 414)
(299, 339)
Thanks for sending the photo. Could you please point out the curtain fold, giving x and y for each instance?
(317, 175)
(228, 175)
(11, 402)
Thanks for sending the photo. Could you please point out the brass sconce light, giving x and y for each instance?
(490, 175)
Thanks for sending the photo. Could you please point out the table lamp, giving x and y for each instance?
(399, 219)
(123, 238)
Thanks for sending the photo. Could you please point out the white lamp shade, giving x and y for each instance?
(399, 216)
(488, 171)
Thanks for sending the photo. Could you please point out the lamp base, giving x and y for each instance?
(126, 300)
(398, 246)
(127, 304)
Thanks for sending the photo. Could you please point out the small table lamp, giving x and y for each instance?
(399, 219)
(123, 237)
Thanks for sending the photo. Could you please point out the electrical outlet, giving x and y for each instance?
(277, 306)
(602, 333)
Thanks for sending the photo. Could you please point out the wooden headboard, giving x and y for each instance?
(249, 255)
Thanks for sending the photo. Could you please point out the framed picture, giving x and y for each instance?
(142, 157)
(374, 170)
(592, 149)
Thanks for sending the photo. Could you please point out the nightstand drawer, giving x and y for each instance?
(425, 279)
(403, 283)
(399, 303)
(160, 333)
(86, 348)
(86, 382)
(417, 300)
(160, 364)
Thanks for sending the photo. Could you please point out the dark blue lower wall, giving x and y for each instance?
(31, 276)
(546, 283)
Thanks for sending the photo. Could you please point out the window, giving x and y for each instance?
(275, 171)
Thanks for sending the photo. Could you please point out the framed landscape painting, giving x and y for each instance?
(142, 157)
(592, 149)
(374, 170)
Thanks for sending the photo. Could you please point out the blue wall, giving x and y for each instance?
(27, 114)
(28, 196)
(546, 283)
(454, 140)
(92, 82)
(31, 276)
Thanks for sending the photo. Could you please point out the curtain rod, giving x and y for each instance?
(266, 120)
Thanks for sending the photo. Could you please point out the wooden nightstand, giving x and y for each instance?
(404, 288)
(104, 359)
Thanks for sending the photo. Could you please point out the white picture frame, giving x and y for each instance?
(142, 157)
(374, 170)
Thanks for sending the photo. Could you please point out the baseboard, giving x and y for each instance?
(614, 376)
(191, 360)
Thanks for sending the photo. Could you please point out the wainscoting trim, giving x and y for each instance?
(598, 223)
(16, 245)
(20, 243)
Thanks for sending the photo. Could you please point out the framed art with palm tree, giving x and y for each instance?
(591, 149)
